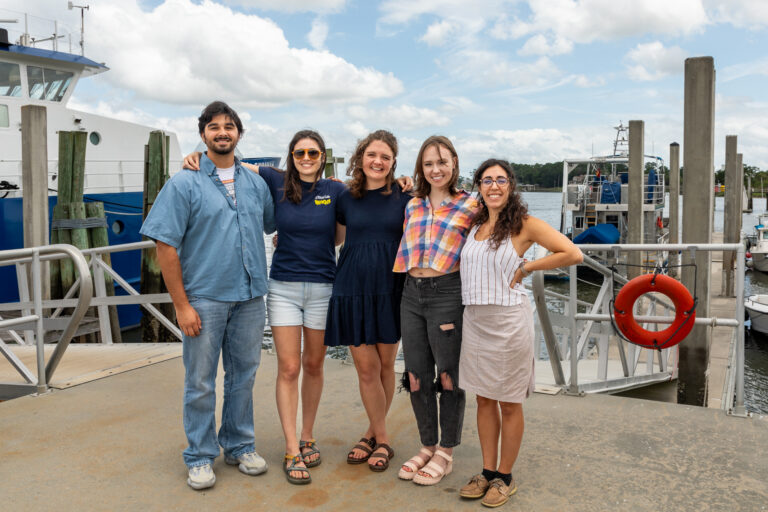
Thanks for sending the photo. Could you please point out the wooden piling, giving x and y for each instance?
(674, 206)
(636, 192)
(100, 238)
(698, 187)
(79, 140)
(34, 179)
(156, 162)
(734, 181)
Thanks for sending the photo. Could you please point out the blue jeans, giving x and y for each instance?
(234, 329)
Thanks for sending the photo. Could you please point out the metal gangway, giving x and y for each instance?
(586, 355)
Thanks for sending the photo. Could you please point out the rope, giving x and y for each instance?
(90, 222)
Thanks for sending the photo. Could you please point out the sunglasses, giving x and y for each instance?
(313, 154)
(501, 182)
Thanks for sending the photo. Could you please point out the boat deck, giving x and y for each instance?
(115, 444)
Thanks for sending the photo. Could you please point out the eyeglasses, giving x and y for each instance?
(501, 182)
(313, 154)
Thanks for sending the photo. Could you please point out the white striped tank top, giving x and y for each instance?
(486, 273)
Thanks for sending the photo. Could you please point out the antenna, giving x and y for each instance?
(82, 8)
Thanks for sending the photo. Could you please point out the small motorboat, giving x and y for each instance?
(759, 244)
(757, 309)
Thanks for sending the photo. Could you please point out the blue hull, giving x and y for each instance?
(123, 221)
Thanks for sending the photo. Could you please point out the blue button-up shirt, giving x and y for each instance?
(220, 244)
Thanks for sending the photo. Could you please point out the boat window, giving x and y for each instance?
(4, 121)
(765, 235)
(47, 84)
(10, 79)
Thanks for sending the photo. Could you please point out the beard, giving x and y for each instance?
(219, 150)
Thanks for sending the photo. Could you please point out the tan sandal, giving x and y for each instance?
(414, 464)
(434, 471)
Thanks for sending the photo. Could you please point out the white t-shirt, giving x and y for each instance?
(227, 177)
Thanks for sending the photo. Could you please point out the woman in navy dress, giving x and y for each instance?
(364, 311)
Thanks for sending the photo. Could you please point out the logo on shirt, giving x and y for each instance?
(322, 200)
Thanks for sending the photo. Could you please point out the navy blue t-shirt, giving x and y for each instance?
(306, 231)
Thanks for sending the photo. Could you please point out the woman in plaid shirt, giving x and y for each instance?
(437, 221)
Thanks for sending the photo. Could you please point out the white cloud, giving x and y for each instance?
(437, 34)
(495, 69)
(585, 81)
(584, 21)
(318, 34)
(242, 58)
(751, 14)
(744, 69)
(651, 61)
(401, 117)
(291, 5)
(523, 146)
(541, 45)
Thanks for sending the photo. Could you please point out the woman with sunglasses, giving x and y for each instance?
(364, 311)
(437, 221)
(497, 359)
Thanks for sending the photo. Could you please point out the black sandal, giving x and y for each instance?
(295, 459)
(366, 445)
(385, 456)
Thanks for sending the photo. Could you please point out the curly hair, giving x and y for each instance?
(292, 188)
(512, 214)
(421, 186)
(355, 168)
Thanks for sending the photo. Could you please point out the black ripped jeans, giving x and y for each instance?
(431, 318)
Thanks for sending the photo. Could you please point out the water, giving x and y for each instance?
(546, 206)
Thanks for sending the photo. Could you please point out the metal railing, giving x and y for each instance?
(596, 323)
(32, 314)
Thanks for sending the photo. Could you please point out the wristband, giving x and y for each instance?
(522, 269)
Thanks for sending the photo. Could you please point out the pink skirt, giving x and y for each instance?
(497, 352)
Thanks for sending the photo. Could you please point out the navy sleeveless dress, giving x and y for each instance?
(365, 303)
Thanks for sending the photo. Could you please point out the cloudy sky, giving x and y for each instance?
(527, 80)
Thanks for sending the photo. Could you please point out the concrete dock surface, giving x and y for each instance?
(116, 443)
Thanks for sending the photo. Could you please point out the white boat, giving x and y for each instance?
(114, 165)
(757, 308)
(759, 244)
(597, 199)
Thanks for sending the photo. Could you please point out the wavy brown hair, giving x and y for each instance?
(421, 186)
(355, 169)
(292, 188)
(512, 214)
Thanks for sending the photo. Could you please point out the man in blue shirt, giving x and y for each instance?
(208, 227)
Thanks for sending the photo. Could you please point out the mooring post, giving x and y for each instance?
(698, 190)
(734, 181)
(674, 207)
(34, 183)
(636, 193)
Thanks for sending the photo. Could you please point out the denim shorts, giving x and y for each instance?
(290, 303)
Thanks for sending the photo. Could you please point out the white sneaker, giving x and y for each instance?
(201, 477)
(250, 463)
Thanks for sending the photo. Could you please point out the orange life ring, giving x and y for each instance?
(685, 314)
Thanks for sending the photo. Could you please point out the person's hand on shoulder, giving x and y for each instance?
(192, 161)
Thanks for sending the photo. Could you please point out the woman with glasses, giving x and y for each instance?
(364, 312)
(437, 221)
(497, 359)
(301, 279)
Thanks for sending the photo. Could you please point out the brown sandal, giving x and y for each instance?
(377, 456)
(365, 445)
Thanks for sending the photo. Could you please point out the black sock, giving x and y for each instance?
(506, 477)
(489, 474)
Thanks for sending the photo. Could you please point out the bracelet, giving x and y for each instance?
(522, 269)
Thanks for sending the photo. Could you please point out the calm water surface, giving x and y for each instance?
(546, 206)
